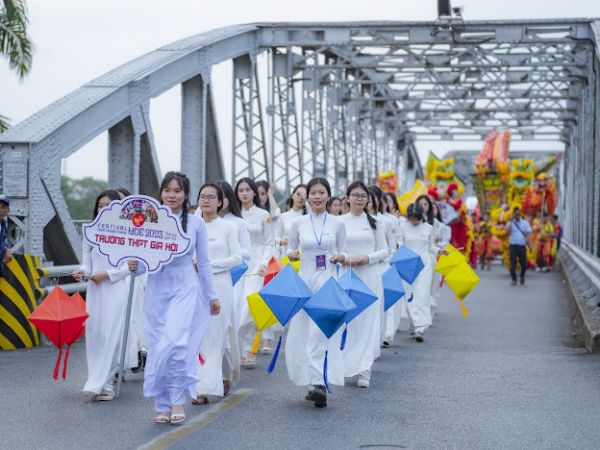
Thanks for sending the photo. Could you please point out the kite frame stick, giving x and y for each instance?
(125, 333)
(258, 274)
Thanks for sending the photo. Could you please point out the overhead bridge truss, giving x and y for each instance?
(341, 100)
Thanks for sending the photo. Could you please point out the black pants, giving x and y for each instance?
(517, 251)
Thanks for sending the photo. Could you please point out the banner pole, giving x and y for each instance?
(125, 333)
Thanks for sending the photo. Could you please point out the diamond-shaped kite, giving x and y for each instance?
(81, 302)
(448, 262)
(60, 318)
(358, 291)
(329, 307)
(462, 279)
(393, 289)
(237, 272)
(295, 264)
(407, 263)
(273, 268)
(261, 313)
(285, 294)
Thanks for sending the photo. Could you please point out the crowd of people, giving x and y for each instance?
(192, 330)
(532, 242)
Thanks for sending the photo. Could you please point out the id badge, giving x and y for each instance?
(321, 262)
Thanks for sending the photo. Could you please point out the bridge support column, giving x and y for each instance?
(193, 133)
(123, 149)
(201, 158)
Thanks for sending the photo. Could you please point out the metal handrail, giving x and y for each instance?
(69, 288)
(584, 261)
(58, 272)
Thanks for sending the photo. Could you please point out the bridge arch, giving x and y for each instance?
(345, 100)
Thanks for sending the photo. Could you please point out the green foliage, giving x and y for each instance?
(80, 195)
(4, 125)
(15, 43)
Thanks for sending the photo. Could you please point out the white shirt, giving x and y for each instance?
(224, 248)
(419, 239)
(242, 230)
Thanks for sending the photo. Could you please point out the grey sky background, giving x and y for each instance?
(78, 40)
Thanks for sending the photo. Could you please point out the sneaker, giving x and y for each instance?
(412, 334)
(418, 336)
(537, 269)
(386, 343)
(318, 395)
(362, 382)
(513, 283)
(522, 280)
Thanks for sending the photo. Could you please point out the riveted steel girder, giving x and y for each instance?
(367, 92)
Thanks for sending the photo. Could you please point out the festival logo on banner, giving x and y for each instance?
(137, 227)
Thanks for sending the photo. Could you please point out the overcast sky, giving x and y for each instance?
(78, 40)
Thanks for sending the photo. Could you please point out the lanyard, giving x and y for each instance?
(320, 238)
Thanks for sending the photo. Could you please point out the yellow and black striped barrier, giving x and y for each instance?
(19, 295)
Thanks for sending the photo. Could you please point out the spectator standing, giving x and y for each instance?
(519, 232)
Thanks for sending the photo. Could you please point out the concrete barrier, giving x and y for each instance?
(20, 293)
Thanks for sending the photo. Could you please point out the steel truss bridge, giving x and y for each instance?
(343, 100)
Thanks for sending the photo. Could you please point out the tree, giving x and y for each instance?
(80, 195)
(15, 42)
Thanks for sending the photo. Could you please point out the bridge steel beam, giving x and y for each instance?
(369, 91)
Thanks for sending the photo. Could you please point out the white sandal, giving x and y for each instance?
(161, 418)
(104, 396)
(177, 418)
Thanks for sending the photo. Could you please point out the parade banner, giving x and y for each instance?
(137, 227)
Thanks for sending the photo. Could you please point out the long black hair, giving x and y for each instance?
(390, 195)
(380, 196)
(234, 206)
(219, 194)
(112, 194)
(292, 197)
(263, 184)
(361, 185)
(415, 210)
(253, 186)
(438, 216)
(430, 212)
(184, 184)
(123, 191)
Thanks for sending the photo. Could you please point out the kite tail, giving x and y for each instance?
(202, 359)
(442, 281)
(412, 294)
(57, 367)
(344, 338)
(457, 299)
(325, 373)
(256, 344)
(65, 363)
(271, 367)
(464, 310)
